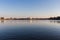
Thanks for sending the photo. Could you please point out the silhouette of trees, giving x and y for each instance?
(2, 18)
(55, 18)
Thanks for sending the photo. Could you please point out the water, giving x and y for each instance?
(30, 30)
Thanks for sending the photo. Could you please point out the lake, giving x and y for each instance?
(30, 30)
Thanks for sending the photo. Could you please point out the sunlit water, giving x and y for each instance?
(30, 30)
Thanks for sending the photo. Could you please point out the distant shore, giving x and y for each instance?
(29, 18)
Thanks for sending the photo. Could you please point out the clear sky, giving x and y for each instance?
(29, 8)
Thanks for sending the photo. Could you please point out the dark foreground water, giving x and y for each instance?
(30, 30)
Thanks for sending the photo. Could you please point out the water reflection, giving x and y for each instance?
(55, 21)
(11, 21)
(29, 30)
(2, 21)
(29, 21)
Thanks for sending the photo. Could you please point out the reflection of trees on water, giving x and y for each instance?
(26, 21)
(55, 21)
(2, 21)
(16, 21)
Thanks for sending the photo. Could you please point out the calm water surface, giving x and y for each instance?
(30, 30)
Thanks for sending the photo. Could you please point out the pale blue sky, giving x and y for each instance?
(29, 8)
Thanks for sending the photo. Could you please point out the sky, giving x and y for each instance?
(29, 8)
